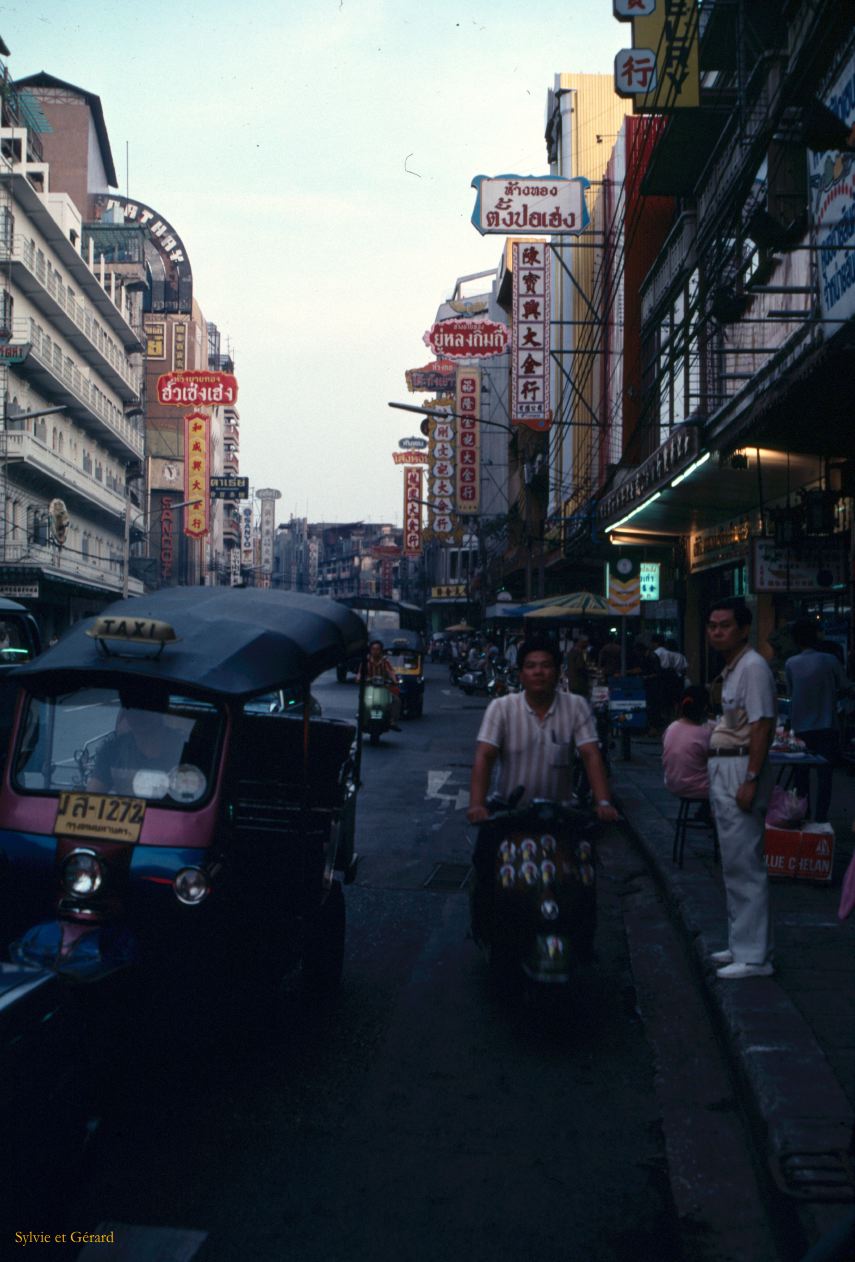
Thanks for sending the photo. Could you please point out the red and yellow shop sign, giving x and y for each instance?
(197, 472)
(412, 511)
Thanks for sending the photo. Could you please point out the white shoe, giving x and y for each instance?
(734, 972)
(722, 957)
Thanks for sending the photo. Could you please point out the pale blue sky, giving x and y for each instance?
(280, 138)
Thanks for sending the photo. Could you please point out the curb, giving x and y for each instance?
(795, 1102)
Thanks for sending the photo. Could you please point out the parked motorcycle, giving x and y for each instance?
(533, 894)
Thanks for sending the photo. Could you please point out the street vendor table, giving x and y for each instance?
(788, 764)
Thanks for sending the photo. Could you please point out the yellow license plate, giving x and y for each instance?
(99, 817)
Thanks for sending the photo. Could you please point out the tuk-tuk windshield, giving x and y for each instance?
(15, 646)
(405, 661)
(94, 740)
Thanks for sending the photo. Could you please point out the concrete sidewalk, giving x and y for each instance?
(791, 1036)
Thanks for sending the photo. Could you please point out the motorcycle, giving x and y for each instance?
(162, 824)
(376, 708)
(533, 893)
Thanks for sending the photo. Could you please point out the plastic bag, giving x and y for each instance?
(786, 808)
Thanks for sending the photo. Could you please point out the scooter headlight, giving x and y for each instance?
(82, 874)
(191, 886)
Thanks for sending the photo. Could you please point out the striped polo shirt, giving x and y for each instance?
(533, 752)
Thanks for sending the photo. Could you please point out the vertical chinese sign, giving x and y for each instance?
(442, 474)
(197, 471)
(530, 398)
(412, 511)
(268, 497)
(468, 409)
(661, 70)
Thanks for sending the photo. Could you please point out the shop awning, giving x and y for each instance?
(716, 492)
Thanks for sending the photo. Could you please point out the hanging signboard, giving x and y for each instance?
(468, 339)
(468, 454)
(436, 376)
(197, 471)
(661, 71)
(413, 512)
(531, 312)
(410, 457)
(246, 538)
(832, 192)
(813, 565)
(268, 497)
(196, 389)
(229, 486)
(529, 203)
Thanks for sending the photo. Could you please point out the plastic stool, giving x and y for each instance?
(684, 822)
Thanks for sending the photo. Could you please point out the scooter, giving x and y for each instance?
(376, 708)
(533, 893)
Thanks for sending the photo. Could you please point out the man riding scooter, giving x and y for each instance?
(379, 669)
(526, 744)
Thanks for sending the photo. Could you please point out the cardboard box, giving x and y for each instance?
(806, 853)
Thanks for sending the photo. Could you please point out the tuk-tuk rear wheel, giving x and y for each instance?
(323, 953)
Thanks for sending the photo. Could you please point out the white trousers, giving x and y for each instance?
(740, 839)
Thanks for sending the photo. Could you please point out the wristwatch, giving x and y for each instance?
(751, 777)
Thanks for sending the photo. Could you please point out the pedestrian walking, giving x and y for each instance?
(577, 668)
(608, 658)
(740, 783)
(815, 681)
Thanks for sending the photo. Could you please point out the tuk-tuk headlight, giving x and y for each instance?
(191, 886)
(82, 874)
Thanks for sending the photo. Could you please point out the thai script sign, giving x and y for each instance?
(412, 512)
(468, 339)
(14, 352)
(196, 389)
(197, 470)
(413, 444)
(228, 486)
(718, 545)
(410, 457)
(529, 203)
(661, 70)
(530, 396)
(18, 591)
(832, 187)
(676, 454)
(809, 566)
(468, 452)
(234, 567)
(436, 376)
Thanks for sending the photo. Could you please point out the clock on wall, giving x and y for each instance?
(170, 473)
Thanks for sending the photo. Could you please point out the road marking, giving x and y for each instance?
(436, 782)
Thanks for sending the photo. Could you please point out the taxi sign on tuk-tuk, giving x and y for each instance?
(133, 630)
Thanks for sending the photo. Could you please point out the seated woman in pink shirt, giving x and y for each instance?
(685, 747)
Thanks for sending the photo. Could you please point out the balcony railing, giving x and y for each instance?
(106, 572)
(24, 254)
(49, 356)
(69, 477)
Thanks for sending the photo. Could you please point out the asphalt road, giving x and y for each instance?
(419, 1117)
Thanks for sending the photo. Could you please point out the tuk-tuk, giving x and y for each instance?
(19, 642)
(405, 651)
(158, 808)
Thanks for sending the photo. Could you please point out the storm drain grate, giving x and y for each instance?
(815, 1176)
(448, 876)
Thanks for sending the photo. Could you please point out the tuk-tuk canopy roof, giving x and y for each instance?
(233, 641)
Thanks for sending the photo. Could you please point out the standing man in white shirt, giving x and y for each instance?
(740, 784)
